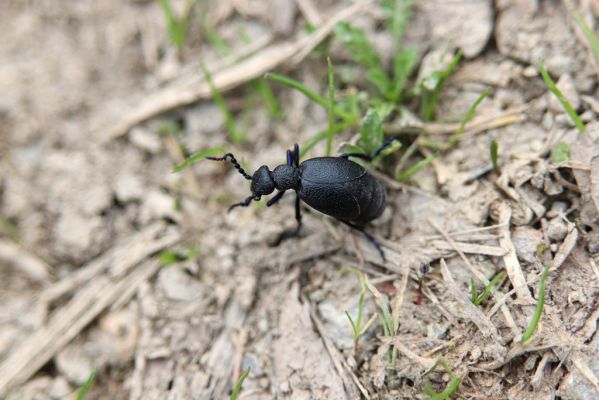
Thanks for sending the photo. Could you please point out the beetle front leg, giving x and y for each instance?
(275, 198)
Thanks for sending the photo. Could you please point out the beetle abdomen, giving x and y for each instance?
(342, 189)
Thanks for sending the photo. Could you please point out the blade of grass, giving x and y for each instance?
(10, 229)
(360, 48)
(85, 388)
(214, 39)
(494, 150)
(371, 131)
(562, 99)
(532, 326)
(414, 168)
(430, 98)
(449, 390)
(473, 294)
(560, 153)
(265, 91)
(322, 135)
(398, 14)
(489, 288)
(300, 87)
(200, 155)
(234, 133)
(588, 34)
(177, 28)
(469, 115)
(331, 132)
(403, 64)
(237, 387)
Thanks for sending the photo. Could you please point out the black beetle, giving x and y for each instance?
(335, 186)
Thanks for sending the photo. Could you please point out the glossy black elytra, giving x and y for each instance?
(335, 186)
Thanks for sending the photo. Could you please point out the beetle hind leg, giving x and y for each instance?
(370, 238)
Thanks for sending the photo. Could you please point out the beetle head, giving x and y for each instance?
(262, 182)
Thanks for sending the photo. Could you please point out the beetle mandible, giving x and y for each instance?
(335, 186)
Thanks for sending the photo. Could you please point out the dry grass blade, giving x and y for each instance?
(512, 265)
(26, 262)
(566, 248)
(426, 363)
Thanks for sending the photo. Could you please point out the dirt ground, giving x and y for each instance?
(89, 209)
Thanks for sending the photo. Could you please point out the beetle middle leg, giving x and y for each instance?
(289, 233)
(370, 238)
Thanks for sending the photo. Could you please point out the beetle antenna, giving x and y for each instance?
(244, 203)
(238, 167)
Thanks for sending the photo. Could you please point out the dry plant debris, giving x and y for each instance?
(111, 264)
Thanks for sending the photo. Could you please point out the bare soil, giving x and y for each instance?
(88, 204)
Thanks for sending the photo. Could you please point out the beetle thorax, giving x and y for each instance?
(286, 177)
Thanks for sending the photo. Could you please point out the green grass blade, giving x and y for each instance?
(560, 153)
(310, 94)
(357, 43)
(237, 387)
(354, 327)
(85, 388)
(562, 99)
(494, 150)
(468, 117)
(200, 155)
(430, 97)
(213, 38)
(532, 326)
(414, 168)
(403, 64)
(398, 15)
(449, 390)
(10, 229)
(273, 106)
(489, 288)
(331, 132)
(473, 294)
(177, 29)
(588, 34)
(234, 133)
(371, 131)
(322, 135)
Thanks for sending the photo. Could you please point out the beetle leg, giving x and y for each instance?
(370, 157)
(298, 214)
(245, 202)
(288, 234)
(275, 198)
(385, 144)
(370, 238)
(295, 155)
